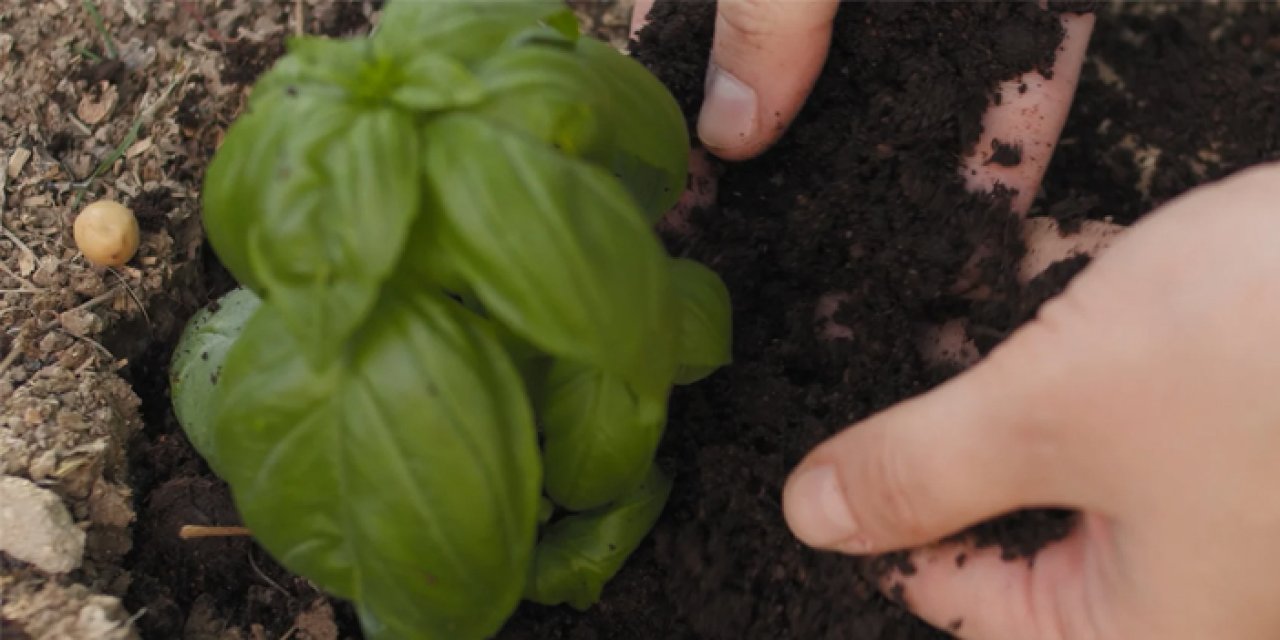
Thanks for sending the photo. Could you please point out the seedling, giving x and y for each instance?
(443, 382)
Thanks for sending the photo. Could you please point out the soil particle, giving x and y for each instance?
(111, 71)
(246, 60)
(1005, 154)
(344, 19)
(152, 209)
(33, 607)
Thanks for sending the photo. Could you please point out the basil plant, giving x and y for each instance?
(440, 388)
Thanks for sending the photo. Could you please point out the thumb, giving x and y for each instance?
(986, 443)
(765, 57)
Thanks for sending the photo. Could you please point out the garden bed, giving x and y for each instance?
(862, 196)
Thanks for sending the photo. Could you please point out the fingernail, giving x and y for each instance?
(818, 513)
(728, 116)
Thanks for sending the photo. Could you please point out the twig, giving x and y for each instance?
(95, 301)
(19, 343)
(27, 284)
(137, 616)
(261, 574)
(145, 316)
(18, 241)
(4, 182)
(194, 531)
(92, 342)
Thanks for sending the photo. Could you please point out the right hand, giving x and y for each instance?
(1146, 396)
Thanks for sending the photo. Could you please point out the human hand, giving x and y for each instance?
(1144, 396)
(765, 58)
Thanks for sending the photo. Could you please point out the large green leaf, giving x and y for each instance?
(546, 92)
(197, 363)
(355, 72)
(596, 103)
(578, 554)
(552, 247)
(706, 320)
(404, 476)
(649, 149)
(467, 31)
(599, 434)
(314, 218)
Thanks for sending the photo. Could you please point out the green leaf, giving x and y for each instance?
(404, 476)
(239, 178)
(546, 509)
(466, 31)
(547, 93)
(197, 361)
(706, 320)
(595, 103)
(552, 247)
(431, 82)
(354, 72)
(649, 149)
(580, 553)
(599, 434)
(309, 202)
(314, 64)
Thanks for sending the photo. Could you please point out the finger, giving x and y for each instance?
(640, 15)
(699, 194)
(1021, 131)
(985, 443)
(975, 593)
(765, 57)
(1046, 244)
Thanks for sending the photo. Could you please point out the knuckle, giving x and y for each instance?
(749, 19)
(765, 19)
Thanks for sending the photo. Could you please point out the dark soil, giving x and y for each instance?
(1200, 85)
(246, 60)
(860, 197)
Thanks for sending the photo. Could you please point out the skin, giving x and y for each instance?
(1143, 396)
